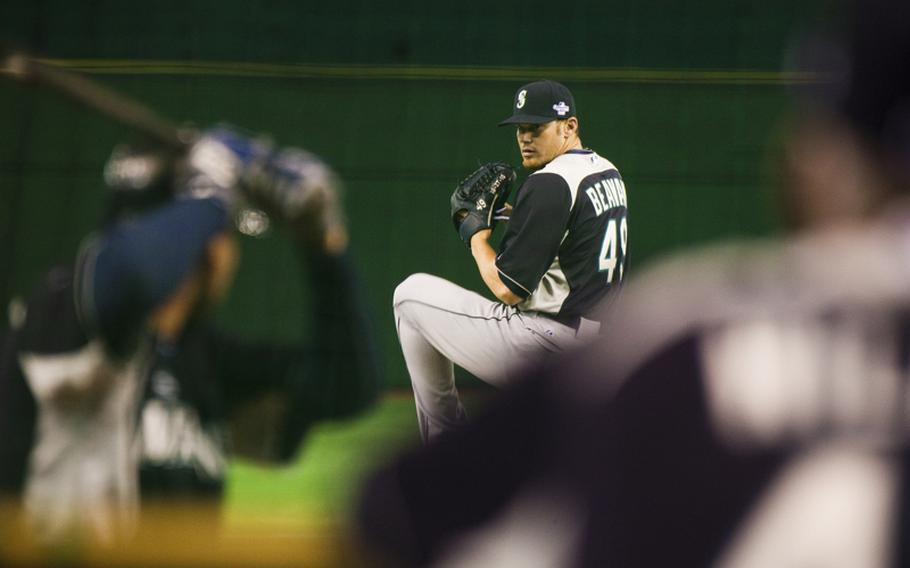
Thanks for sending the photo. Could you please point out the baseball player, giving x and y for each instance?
(117, 380)
(751, 410)
(564, 250)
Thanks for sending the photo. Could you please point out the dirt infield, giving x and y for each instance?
(184, 535)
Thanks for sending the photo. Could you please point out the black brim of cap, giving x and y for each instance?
(526, 119)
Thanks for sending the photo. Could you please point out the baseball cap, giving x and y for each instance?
(539, 102)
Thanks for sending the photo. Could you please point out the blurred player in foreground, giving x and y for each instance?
(750, 405)
(563, 251)
(116, 368)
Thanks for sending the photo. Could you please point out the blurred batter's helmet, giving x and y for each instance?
(139, 176)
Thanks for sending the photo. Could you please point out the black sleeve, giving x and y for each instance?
(535, 231)
(334, 376)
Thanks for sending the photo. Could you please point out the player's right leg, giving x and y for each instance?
(436, 398)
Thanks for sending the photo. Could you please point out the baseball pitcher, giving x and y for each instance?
(564, 251)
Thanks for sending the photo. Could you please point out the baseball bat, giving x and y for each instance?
(25, 69)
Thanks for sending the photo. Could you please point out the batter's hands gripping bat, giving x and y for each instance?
(25, 69)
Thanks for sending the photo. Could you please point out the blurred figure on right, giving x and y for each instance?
(750, 406)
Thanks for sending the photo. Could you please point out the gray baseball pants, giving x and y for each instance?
(440, 324)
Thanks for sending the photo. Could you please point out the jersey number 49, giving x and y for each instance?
(610, 253)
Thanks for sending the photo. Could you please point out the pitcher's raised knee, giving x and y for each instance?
(414, 287)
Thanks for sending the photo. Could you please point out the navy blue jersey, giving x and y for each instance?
(567, 242)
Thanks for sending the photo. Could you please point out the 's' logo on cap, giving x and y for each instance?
(521, 98)
(561, 108)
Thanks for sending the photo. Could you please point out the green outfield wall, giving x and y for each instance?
(402, 98)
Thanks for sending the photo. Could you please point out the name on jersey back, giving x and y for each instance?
(607, 194)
